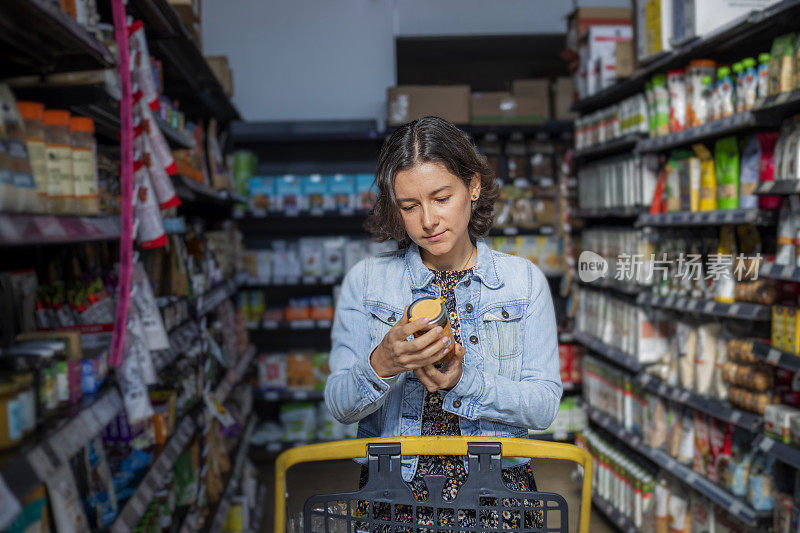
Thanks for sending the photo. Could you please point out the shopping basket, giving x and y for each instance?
(483, 491)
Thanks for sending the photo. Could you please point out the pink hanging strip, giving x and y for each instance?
(126, 184)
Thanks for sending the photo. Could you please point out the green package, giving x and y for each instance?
(726, 161)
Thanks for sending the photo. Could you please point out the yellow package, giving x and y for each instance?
(694, 184)
(778, 326)
(708, 179)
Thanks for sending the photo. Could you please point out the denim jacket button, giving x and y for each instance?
(456, 403)
(505, 313)
(391, 319)
(468, 308)
(473, 339)
(376, 387)
(466, 283)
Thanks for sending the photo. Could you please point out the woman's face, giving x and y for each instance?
(435, 206)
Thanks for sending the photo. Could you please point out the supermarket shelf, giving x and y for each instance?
(782, 272)
(786, 454)
(51, 448)
(221, 513)
(617, 518)
(613, 285)
(190, 190)
(509, 231)
(134, 509)
(715, 408)
(551, 127)
(303, 223)
(733, 38)
(304, 281)
(717, 128)
(776, 357)
(35, 230)
(210, 300)
(41, 38)
(276, 325)
(291, 396)
(779, 187)
(181, 340)
(609, 352)
(188, 75)
(736, 507)
(610, 212)
(234, 375)
(176, 138)
(709, 218)
(739, 310)
(614, 146)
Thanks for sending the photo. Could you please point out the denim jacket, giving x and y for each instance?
(511, 378)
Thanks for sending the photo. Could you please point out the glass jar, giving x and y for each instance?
(84, 166)
(33, 119)
(60, 187)
(10, 423)
(434, 310)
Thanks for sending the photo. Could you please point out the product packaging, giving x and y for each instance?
(726, 162)
(676, 83)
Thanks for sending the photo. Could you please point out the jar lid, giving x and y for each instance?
(55, 117)
(81, 124)
(702, 63)
(427, 306)
(723, 72)
(764, 57)
(31, 110)
(748, 62)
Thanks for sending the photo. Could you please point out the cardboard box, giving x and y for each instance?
(500, 107)
(624, 58)
(580, 20)
(537, 88)
(698, 18)
(188, 10)
(563, 98)
(222, 70)
(410, 102)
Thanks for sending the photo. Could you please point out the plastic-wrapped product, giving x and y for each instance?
(707, 335)
(696, 109)
(726, 160)
(763, 75)
(298, 421)
(687, 343)
(738, 86)
(702, 444)
(787, 229)
(702, 513)
(141, 67)
(749, 92)
(708, 178)
(662, 496)
(161, 149)
(165, 191)
(661, 103)
(767, 142)
(749, 173)
(686, 447)
(725, 94)
(676, 83)
(680, 518)
(725, 286)
(148, 216)
(719, 388)
(674, 429)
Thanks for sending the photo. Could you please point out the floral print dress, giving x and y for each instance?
(437, 421)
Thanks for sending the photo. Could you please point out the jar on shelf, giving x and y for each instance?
(10, 419)
(60, 187)
(84, 166)
(33, 118)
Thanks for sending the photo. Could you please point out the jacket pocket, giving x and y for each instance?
(382, 318)
(501, 326)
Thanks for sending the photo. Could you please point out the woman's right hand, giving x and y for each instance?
(395, 354)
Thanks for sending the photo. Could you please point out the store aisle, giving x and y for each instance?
(309, 479)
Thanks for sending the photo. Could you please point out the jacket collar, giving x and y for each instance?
(485, 268)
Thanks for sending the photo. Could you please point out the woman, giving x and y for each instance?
(436, 199)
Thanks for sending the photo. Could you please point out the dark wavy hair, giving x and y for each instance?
(429, 140)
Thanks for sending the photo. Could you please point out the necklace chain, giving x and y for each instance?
(468, 258)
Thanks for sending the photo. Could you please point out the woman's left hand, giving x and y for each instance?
(445, 377)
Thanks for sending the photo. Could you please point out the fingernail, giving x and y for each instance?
(446, 350)
(439, 330)
(423, 320)
(446, 341)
